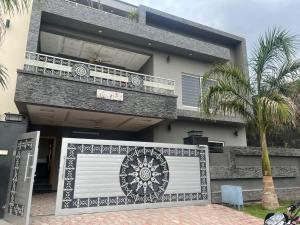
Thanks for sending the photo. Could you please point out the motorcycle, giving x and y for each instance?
(290, 217)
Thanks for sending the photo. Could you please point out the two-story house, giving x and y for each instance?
(111, 70)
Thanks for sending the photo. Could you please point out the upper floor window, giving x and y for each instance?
(191, 90)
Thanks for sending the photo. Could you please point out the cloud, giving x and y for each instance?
(246, 18)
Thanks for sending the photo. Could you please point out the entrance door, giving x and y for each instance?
(42, 180)
(21, 179)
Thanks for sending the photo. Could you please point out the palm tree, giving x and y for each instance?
(262, 102)
(9, 7)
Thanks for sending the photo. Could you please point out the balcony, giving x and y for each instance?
(64, 92)
(114, 7)
(91, 73)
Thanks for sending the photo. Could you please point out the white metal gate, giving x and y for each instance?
(106, 175)
(21, 179)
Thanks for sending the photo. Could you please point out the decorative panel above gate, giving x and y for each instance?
(101, 175)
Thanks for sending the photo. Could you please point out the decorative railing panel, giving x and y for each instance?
(76, 70)
(98, 5)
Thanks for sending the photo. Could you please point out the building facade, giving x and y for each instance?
(115, 71)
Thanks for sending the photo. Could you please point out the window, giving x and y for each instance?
(208, 84)
(190, 90)
(216, 146)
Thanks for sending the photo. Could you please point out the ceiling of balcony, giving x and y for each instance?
(95, 53)
(84, 119)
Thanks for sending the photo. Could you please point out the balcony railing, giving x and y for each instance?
(103, 75)
(98, 5)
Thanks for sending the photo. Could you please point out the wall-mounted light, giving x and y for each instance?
(3, 152)
(168, 59)
(7, 23)
(169, 127)
(236, 133)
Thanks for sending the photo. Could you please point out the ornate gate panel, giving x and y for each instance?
(102, 175)
(21, 179)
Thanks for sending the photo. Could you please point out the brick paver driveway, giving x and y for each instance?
(43, 213)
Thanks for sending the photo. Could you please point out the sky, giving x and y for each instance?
(245, 18)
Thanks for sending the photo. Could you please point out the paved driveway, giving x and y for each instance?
(189, 215)
(43, 213)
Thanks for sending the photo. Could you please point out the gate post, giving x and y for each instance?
(197, 138)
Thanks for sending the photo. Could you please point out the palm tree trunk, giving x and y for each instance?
(266, 165)
(269, 198)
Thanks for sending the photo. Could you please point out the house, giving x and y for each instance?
(111, 70)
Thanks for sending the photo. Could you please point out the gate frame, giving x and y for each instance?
(25, 218)
(61, 178)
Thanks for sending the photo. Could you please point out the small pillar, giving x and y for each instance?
(195, 137)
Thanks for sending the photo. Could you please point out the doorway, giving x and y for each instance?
(44, 168)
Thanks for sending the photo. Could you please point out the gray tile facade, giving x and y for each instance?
(221, 48)
(50, 91)
(124, 27)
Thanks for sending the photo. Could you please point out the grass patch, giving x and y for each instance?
(255, 209)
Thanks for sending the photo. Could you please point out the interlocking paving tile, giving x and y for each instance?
(43, 207)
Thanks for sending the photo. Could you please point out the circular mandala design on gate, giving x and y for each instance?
(80, 70)
(136, 81)
(144, 175)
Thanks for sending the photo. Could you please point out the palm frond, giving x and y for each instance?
(237, 107)
(13, 6)
(276, 46)
(294, 90)
(227, 72)
(230, 79)
(3, 76)
(276, 110)
(289, 70)
(230, 92)
(281, 79)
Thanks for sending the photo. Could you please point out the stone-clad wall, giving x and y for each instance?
(57, 92)
(241, 166)
(128, 29)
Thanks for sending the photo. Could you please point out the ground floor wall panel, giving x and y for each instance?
(176, 131)
(241, 166)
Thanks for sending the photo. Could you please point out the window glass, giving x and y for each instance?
(190, 90)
